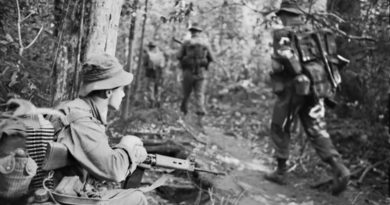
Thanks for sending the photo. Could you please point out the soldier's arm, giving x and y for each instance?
(89, 146)
(181, 52)
(210, 55)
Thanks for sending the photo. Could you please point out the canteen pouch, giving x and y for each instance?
(277, 83)
(16, 173)
(321, 86)
(302, 85)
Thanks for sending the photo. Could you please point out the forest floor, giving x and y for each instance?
(236, 142)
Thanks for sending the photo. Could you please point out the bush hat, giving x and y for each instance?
(289, 6)
(195, 27)
(102, 72)
(151, 44)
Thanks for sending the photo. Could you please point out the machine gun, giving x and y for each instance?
(157, 160)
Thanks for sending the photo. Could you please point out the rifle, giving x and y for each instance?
(156, 160)
(177, 40)
(324, 57)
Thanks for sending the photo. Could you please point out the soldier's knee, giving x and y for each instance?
(317, 133)
(276, 128)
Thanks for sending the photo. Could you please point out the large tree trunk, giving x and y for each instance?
(103, 26)
(101, 30)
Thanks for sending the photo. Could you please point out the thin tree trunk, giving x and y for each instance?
(60, 64)
(135, 86)
(126, 105)
(76, 74)
(222, 17)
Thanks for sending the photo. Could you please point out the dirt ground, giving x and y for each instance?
(235, 141)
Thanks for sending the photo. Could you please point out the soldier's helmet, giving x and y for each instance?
(195, 27)
(290, 7)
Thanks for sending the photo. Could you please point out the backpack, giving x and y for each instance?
(148, 65)
(23, 136)
(154, 61)
(195, 54)
(314, 55)
(317, 51)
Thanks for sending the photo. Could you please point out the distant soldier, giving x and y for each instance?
(195, 57)
(154, 63)
(303, 79)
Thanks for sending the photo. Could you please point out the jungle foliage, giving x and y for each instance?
(35, 34)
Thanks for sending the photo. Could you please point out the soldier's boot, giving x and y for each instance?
(341, 175)
(157, 104)
(199, 122)
(279, 176)
(183, 108)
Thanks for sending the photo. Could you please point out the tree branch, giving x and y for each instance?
(337, 30)
(361, 178)
(35, 39)
(22, 47)
(19, 30)
(28, 16)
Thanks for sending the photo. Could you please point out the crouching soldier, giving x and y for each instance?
(103, 80)
(302, 78)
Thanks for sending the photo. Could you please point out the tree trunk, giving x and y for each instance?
(126, 104)
(103, 26)
(137, 80)
(62, 67)
(60, 64)
(77, 67)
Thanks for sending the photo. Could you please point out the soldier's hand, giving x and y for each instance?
(135, 149)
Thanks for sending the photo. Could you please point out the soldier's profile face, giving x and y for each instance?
(115, 99)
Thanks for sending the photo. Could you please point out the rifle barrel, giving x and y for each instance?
(209, 171)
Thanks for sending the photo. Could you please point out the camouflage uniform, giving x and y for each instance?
(296, 98)
(154, 63)
(289, 105)
(194, 70)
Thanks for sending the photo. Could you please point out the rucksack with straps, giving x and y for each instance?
(195, 54)
(317, 51)
(314, 55)
(23, 136)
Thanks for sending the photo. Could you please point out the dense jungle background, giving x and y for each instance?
(43, 44)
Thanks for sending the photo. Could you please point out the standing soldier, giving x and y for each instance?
(154, 63)
(195, 57)
(302, 79)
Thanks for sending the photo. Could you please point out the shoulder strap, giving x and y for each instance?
(72, 111)
(74, 115)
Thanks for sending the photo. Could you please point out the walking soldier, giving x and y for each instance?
(195, 56)
(304, 74)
